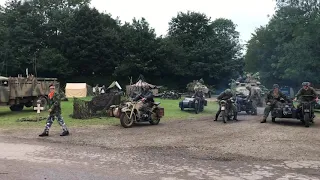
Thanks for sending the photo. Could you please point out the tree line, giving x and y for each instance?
(287, 49)
(73, 42)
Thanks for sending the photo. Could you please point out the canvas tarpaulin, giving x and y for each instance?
(76, 90)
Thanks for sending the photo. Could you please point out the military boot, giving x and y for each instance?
(216, 119)
(264, 120)
(45, 133)
(65, 133)
(235, 117)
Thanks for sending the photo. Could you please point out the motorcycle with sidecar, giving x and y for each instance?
(286, 109)
(243, 104)
(193, 103)
(131, 113)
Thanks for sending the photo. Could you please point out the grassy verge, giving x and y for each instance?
(9, 119)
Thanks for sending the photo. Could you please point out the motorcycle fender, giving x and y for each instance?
(125, 110)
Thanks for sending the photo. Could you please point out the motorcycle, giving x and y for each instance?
(243, 104)
(130, 114)
(286, 109)
(307, 113)
(226, 110)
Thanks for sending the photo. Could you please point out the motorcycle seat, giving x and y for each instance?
(157, 103)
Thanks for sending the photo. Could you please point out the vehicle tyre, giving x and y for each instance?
(273, 119)
(196, 106)
(44, 102)
(223, 113)
(306, 119)
(28, 104)
(17, 107)
(248, 112)
(154, 119)
(125, 121)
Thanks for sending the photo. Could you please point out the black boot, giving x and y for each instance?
(264, 120)
(45, 133)
(235, 117)
(216, 119)
(65, 133)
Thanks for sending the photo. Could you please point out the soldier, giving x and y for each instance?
(147, 98)
(55, 110)
(272, 99)
(227, 94)
(198, 95)
(96, 90)
(305, 90)
(254, 98)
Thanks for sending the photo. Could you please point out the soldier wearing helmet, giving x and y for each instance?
(225, 95)
(272, 99)
(305, 90)
(254, 98)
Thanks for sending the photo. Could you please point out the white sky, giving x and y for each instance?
(247, 14)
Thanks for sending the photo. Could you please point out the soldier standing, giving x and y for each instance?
(254, 98)
(55, 111)
(272, 99)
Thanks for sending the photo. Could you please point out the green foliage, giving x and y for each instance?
(286, 50)
(67, 39)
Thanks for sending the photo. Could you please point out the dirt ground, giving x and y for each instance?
(172, 150)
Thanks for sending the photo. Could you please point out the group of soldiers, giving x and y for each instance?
(272, 99)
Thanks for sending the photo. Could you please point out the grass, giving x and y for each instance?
(8, 119)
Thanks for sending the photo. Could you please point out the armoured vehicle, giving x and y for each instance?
(18, 92)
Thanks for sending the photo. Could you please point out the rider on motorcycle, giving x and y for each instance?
(272, 99)
(225, 95)
(305, 90)
(147, 98)
(253, 97)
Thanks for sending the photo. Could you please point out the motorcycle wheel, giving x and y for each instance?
(223, 113)
(306, 119)
(125, 121)
(248, 112)
(154, 120)
(197, 107)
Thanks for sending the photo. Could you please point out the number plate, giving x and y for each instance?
(306, 110)
(223, 108)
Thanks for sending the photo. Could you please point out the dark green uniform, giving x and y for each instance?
(273, 99)
(225, 96)
(310, 92)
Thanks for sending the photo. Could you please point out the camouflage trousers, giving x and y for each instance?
(233, 107)
(60, 121)
(254, 104)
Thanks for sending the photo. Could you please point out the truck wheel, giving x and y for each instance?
(17, 107)
(44, 102)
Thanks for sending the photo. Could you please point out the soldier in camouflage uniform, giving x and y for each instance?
(272, 99)
(254, 98)
(305, 90)
(225, 95)
(55, 110)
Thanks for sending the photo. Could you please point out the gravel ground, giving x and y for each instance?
(187, 149)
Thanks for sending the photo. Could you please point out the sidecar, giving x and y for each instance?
(191, 103)
(284, 110)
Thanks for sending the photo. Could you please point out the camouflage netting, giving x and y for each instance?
(88, 109)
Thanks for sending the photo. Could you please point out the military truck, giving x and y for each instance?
(18, 92)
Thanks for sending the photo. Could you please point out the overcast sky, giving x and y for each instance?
(247, 14)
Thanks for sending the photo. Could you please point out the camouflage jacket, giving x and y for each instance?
(253, 94)
(198, 94)
(224, 96)
(310, 92)
(54, 103)
(272, 98)
(145, 94)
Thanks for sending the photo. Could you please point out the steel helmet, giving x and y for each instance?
(305, 84)
(275, 86)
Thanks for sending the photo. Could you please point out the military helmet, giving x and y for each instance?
(228, 90)
(305, 84)
(275, 86)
